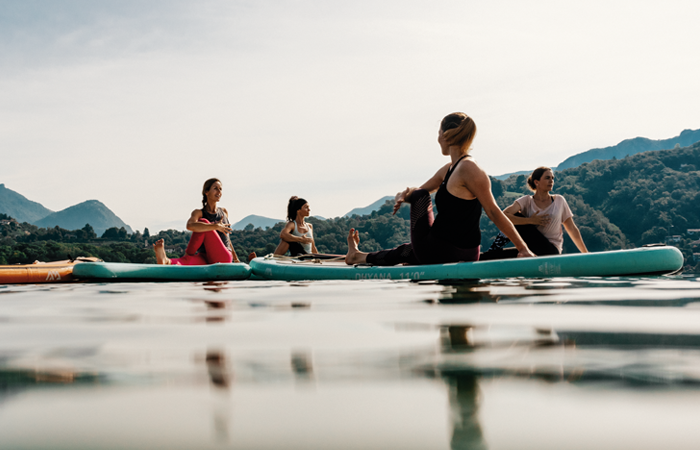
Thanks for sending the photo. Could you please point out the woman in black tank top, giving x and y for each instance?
(210, 228)
(463, 189)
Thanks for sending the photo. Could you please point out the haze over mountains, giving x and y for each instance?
(100, 217)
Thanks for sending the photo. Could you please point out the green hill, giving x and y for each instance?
(18, 206)
(75, 217)
(631, 147)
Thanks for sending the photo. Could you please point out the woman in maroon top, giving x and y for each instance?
(463, 189)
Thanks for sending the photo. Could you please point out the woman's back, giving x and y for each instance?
(457, 221)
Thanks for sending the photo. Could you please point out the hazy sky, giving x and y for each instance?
(136, 103)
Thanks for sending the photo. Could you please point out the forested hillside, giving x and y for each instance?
(645, 198)
(637, 200)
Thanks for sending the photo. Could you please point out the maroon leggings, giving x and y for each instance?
(215, 250)
(425, 247)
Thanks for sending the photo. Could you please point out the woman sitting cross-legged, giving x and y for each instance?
(539, 219)
(297, 236)
(463, 188)
(210, 228)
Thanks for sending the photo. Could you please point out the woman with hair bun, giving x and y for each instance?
(297, 236)
(210, 228)
(539, 219)
(463, 189)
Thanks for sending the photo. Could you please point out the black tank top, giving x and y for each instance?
(457, 221)
(219, 216)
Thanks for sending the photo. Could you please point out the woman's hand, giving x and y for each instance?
(539, 220)
(525, 253)
(222, 227)
(399, 199)
(305, 240)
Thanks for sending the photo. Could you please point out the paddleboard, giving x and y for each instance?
(641, 261)
(104, 271)
(40, 272)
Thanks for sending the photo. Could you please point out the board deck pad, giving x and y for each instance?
(640, 261)
(158, 272)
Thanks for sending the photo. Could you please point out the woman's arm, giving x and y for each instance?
(434, 182)
(233, 250)
(575, 234)
(478, 183)
(195, 226)
(431, 186)
(287, 236)
(535, 219)
(313, 243)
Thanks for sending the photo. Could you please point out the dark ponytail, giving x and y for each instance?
(207, 185)
(536, 175)
(295, 204)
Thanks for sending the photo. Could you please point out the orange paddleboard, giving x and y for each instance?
(40, 272)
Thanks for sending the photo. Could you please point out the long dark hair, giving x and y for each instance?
(207, 185)
(295, 204)
(458, 129)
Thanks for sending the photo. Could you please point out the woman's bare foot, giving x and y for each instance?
(252, 256)
(354, 256)
(159, 248)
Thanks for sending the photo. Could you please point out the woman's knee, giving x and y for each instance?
(418, 194)
(203, 220)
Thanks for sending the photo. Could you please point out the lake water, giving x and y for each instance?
(512, 364)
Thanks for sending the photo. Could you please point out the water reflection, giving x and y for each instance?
(302, 365)
(464, 405)
(323, 358)
(216, 367)
(466, 292)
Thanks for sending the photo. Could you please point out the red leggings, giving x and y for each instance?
(215, 250)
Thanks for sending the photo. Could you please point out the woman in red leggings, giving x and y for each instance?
(210, 228)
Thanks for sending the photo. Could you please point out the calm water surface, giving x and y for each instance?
(565, 363)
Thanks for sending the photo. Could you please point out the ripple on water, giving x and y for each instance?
(410, 365)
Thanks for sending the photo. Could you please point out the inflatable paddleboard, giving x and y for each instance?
(40, 272)
(640, 261)
(103, 271)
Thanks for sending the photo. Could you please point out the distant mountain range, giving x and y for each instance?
(627, 147)
(19, 207)
(75, 217)
(100, 217)
(369, 208)
(72, 218)
(257, 221)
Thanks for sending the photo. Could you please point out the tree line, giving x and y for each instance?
(617, 204)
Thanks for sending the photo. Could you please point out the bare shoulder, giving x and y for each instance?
(469, 169)
(442, 171)
(225, 212)
(196, 214)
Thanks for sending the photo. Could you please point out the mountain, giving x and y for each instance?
(507, 175)
(257, 221)
(179, 225)
(631, 147)
(368, 209)
(18, 206)
(75, 217)
(627, 147)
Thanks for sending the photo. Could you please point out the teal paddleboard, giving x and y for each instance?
(102, 271)
(640, 261)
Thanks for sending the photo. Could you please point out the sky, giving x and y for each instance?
(137, 103)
